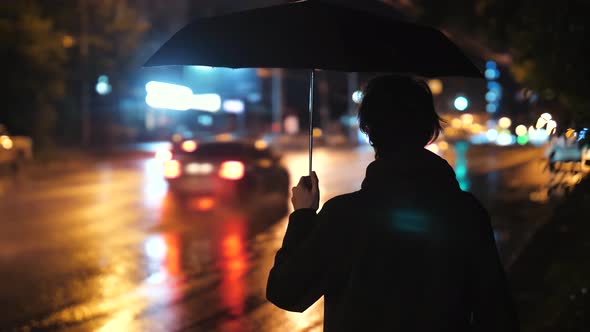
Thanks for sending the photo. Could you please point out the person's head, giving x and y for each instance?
(397, 113)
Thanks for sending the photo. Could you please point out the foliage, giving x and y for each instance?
(115, 31)
(546, 40)
(41, 41)
(33, 77)
(551, 277)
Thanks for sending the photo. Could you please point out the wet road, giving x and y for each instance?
(107, 249)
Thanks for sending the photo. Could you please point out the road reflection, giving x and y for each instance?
(110, 249)
(203, 245)
(461, 166)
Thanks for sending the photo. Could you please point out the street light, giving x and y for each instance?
(521, 130)
(436, 86)
(504, 122)
(357, 96)
(461, 103)
(102, 85)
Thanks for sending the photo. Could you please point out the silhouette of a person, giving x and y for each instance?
(409, 251)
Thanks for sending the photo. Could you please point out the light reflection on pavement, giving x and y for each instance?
(109, 249)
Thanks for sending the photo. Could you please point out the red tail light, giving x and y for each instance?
(202, 204)
(172, 169)
(232, 170)
(189, 146)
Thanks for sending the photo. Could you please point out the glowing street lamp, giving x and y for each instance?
(504, 122)
(461, 103)
(521, 130)
(357, 96)
(102, 85)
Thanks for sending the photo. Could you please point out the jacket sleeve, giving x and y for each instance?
(493, 307)
(296, 280)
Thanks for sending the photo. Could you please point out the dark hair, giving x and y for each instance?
(397, 112)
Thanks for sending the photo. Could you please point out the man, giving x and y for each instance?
(410, 251)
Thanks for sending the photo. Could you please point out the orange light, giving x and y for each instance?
(163, 155)
(67, 41)
(264, 163)
(231, 170)
(317, 132)
(172, 169)
(203, 204)
(189, 146)
(224, 137)
(7, 143)
(260, 145)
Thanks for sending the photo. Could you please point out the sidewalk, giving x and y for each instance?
(551, 278)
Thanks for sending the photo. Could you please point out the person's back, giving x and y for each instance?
(408, 252)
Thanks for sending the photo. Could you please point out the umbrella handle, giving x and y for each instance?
(306, 180)
(311, 88)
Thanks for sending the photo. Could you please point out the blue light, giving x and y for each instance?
(233, 106)
(492, 134)
(491, 97)
(461, 103)
(363, 138)
(491, 108)
(494, 86)
(205, 120)
(461, 166)
(203, 68)
(102, 86)
(492, 74)
(411, 221)
(491, 65)
(168, 96)
(357, 96)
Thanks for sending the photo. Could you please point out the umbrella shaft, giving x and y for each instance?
(311, 88)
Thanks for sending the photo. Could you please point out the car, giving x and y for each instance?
(225, 168)
(14, 150)
(570, 148)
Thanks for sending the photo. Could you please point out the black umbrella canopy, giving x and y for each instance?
(317, 34)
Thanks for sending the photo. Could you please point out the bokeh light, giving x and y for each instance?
(467, 119)
(492, 135)
(461, 103)
(504, 123)
(522, 140)
(436, 86)
(189, 146)
(357, 96)
(521, 130)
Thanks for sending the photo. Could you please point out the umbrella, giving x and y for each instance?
(316, 35)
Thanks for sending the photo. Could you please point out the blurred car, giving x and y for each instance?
(575, 148)
(14, 150)
(225, 168)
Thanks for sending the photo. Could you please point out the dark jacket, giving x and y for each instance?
(408, 252)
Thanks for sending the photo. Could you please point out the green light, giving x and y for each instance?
(522, 140)
(411, 221)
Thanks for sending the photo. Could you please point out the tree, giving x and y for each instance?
(546, 40)
(113, 32)
(33, 77)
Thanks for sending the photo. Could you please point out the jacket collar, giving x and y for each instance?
(414, 170)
